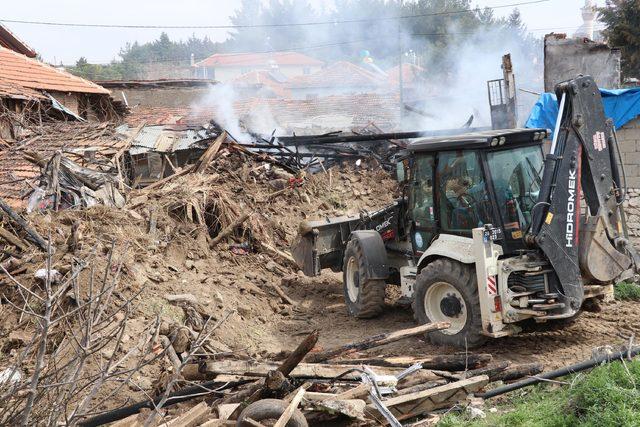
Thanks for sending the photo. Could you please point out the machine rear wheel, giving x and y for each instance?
(364, 297)
(446, 291)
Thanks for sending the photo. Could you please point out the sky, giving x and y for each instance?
(101, 45)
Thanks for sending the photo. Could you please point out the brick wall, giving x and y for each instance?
(629, 142)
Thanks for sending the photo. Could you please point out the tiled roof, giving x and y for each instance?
(15, 171)
(340, 112)
(411, 74)
(11, 41)
(257, 59)
(339, 74)
(261, 79)
(31, 73)
(10, 90)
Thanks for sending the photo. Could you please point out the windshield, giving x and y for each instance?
(516, 177)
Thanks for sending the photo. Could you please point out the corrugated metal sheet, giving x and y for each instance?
(163, 140)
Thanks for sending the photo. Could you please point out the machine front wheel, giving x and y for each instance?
(446, 291)
(364, 297)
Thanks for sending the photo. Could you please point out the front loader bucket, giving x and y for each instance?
(599, 260)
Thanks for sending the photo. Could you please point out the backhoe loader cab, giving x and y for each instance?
(490, 234)
(464, 182)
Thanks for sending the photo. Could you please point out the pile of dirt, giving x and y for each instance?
(161, 243)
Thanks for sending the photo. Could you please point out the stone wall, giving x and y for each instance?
(565, 58)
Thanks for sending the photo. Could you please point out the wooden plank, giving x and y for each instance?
(445, 362)
(413, 404)
(130, 421)
(219, 423)
(226, 409)
(251, 368)
(209, 153)
(376, 340)
(288, 413)
(193, 417)
(357, 392)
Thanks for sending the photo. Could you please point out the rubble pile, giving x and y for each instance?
(178, 301)
(206, 249)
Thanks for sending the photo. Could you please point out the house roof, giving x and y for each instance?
(30, 73)
(272, 81)
(308, 116)
(410, 74)
(339, 74)
(14, 91)
(154, 84)
(11, 41)
(16, 172)
(257, 59)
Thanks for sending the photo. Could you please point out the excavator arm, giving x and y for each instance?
(578, 222)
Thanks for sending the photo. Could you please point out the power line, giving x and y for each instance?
(291, 24)
(326, 45)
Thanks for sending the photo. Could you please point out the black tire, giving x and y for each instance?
(369, 301)
(462, 277)
(270, 409)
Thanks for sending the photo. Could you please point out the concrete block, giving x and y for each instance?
(633, 181)
(632, 171)
(631, 158)
(628, 145)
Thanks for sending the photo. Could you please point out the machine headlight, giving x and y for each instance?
(494, 142)
(502, 140)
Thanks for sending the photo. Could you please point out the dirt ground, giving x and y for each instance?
(612, 326)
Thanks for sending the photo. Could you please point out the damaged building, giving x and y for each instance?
(33, 90)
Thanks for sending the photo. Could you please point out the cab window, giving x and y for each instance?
(462, 194)
(421, 202)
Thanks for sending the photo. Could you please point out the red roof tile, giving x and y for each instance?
(10, 90)
(318, 114)
(30, 73)
(410, 74)
(257, 59)
(261, 78)
(339, 74)
(11, 41)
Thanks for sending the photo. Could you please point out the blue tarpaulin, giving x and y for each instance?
(621, 105)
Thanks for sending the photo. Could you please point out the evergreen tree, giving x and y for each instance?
(622, 18)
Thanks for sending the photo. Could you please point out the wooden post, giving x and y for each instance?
(376, 340)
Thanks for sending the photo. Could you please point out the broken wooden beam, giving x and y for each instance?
(420, 402)
(32, 234)
(229, 229)
(209, 153)
(445, 362)
(375, 341)
(491, 370)
(192, 418)
(516, 372)
(291, 408)
(248, 368)
(13, 239)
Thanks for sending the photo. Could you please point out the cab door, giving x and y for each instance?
(421, 207)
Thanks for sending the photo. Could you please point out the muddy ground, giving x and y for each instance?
(612, 326)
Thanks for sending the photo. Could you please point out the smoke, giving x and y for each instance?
(456, 67)
(221, 101)
(458, 88)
